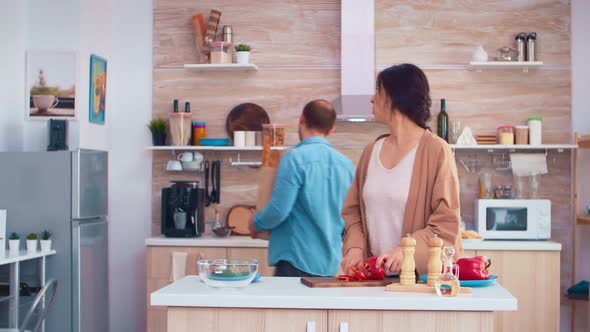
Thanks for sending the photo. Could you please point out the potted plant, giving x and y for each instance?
(243, 54)
(45, 236)
(158, 128)
(32, 242)
(14, 241)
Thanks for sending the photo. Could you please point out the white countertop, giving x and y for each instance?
(207, 241)
(10, 256)
(247, 242)
(511, 245)
(289, 293)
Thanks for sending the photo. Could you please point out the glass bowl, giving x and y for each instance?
(224, 273)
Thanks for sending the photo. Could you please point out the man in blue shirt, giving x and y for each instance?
(303, 213)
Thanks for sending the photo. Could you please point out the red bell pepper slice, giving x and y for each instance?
(369, 271)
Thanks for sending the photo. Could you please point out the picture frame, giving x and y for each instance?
(98, 90)
(51, 77)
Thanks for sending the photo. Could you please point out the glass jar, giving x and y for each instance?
(273, 134)
(506, 135)
(448, 283)
(199, 131)
(521, 135)
(221, 52)
(535, 130)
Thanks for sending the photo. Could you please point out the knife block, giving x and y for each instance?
(180, 128)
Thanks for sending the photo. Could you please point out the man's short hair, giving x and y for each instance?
(319, 115)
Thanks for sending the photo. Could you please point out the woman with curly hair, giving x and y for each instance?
(406, 182)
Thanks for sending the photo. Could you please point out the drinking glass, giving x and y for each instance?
(455, 131)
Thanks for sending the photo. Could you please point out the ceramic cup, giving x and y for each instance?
(239, 138)
(185, 157)
(173, 165)
(250, 138)
(44, 102)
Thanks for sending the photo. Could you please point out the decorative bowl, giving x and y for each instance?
(223, 273)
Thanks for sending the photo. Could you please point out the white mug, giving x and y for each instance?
(173, 165)
(239, 138)
(198, 156)
(45, 102)
(185, 157)
(250, 138)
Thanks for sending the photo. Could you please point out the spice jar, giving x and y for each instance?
(535, 130)
(499, 192)
(521, 135)
(221, 52)
(273, 134)
(199, 131)
(506, 135)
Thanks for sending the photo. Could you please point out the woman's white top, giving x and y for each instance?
(385, 195)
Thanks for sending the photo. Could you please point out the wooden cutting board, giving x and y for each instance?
(328, 282)
(246, 117)
(238, 217)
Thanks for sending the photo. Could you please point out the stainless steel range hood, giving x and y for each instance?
(357, 60)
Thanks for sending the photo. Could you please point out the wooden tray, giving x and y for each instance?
(328, 282)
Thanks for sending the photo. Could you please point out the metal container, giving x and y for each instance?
(520, 46)
(227, 34)
(531, 40)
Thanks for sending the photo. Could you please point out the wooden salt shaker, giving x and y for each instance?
(408, 276)
(434, 260)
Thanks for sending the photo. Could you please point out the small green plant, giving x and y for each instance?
(32, 236)
(14, 236)
(243, 48)
(157, 126)
(45, 235)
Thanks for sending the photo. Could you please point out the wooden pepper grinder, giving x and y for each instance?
(408, 276)
(434, 260)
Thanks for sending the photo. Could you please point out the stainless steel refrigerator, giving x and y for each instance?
(67, 193)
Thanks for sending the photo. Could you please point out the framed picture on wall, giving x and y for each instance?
(98, 89)
(51, 84)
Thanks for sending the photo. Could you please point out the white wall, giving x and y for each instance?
(13, 25)
(581, 121)
(130, 164)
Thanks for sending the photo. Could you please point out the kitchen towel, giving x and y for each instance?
(528, 164)
(178, 266)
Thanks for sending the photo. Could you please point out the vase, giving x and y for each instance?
(243, 58)
(159, 139)
(45, 245)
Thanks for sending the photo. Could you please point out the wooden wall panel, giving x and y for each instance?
(290, 36)
(296, 32)
(446, 32)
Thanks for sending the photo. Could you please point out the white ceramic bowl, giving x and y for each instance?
(222, 273)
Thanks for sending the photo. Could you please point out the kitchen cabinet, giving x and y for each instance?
(183, 319)
(384, 321)
(159, 261)
(533, 278)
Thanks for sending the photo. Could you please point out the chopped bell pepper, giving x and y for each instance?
(369, 271)
(474, 268)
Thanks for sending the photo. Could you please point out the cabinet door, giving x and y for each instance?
(261, 254)
(533, 278)
(246, 320)
(385, 321)
(159, 261)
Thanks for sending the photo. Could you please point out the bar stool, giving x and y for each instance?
(29, 324)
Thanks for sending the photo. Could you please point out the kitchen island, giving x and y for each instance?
(284, 304)
(537, 262)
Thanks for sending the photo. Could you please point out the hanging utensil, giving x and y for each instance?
(206, 175)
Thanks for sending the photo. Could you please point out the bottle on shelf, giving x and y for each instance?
(187, 107)
(443, 121)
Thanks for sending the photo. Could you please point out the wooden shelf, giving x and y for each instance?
(212, 148)
(504, 65)
(221, 67)
(583, 219)
(584, 142)
(514, 147)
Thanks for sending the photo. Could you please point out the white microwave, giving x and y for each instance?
(513, 219)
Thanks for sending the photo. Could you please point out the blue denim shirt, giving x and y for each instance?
(303, 212)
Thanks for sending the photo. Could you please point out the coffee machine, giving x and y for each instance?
(183, 209)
